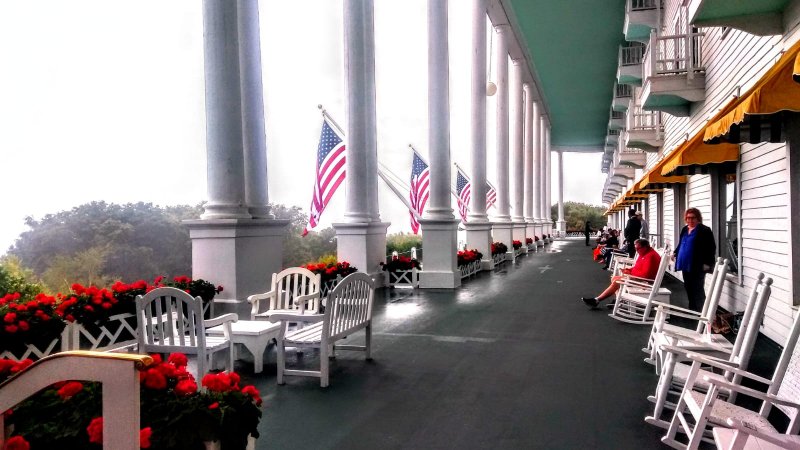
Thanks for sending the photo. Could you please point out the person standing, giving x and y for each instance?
(645, 232)
(588, 231)
(632, 232)
(694, 256)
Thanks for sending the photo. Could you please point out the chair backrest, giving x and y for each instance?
(786, 379)
(291, 283)
(662, 267)
(751, 320)
(709, 309)
(349, 306)
(170, 320)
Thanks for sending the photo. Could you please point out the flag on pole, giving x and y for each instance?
(463, 191)
(491, 196)
(330, 172)
(420, 189)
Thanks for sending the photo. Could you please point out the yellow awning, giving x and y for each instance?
(778, 90)
(654, 180)
(694, 154)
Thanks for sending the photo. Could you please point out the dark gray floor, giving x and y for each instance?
(513, 359)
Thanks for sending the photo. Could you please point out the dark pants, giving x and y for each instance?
(631, 249)
(694, 283)
(587, 238)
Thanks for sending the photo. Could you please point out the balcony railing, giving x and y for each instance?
(641, 5)
(623, 91)
(631, 56)
(617, 114)
(673, 55)
(639, 119)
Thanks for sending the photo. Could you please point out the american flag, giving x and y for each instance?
(463, 189)
(491, 195)
(420, 189)
(330, 172)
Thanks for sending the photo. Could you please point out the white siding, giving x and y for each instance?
(667, 216)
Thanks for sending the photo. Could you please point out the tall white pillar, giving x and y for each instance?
(540, 181)
(361, 238)
(502, 228)
(478, 226)
(530, 158)
(517, 108)
(255, 139)
(548, 180)
(235, 243)
(439, 226)
(562, 223)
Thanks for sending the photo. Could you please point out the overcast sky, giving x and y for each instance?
(104, 100)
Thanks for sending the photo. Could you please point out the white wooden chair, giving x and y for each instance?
(740, 435)
(673, 376)
(348, 309)
(170, 320)
(783, 392)
(636, 296)
(703, 318)
(293, 289)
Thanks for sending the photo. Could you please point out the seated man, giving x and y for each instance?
(646, 267)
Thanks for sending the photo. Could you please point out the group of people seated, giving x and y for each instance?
(646, 266)
(606, 243)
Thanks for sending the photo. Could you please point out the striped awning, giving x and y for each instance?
(756, 116)
(695, 157)
(653, 181)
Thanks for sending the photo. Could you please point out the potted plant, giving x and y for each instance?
(175, 412)
(331, 273)
(469, 262)
(402, 271)
(529, 243)
(499, 251)
(29, 327)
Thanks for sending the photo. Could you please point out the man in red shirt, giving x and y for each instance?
(646, 266)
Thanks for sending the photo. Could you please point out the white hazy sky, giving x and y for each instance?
(104, 100)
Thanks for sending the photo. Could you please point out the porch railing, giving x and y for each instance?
(674, 55)
(623, 91)
(641, 5)
(631, 56)
(617, 114)
(639, 119)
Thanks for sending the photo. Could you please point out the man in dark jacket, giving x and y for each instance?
(588, 231)
(633, 230)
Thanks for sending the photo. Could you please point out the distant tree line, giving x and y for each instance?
(576, 214)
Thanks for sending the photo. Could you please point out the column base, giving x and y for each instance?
(479, 237)
(363, 245)
(439, 240)
(519, 233)
(239, 254)
(562, 227)
(504, 232)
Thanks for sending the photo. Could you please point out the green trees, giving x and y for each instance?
(576, 215)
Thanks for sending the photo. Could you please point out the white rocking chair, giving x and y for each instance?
(636, 296)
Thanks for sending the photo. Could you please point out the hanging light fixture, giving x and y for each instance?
(491, 88)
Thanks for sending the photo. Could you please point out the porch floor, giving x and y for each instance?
(512, 359)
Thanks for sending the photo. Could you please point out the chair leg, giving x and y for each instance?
(281, 350)
(231, 354)
(201, 365)
(323, 365)
(368, 342)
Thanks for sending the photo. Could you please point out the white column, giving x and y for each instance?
(548, 180)
(502, 228)
(562, 223)
(530, 157)
(517, 109)
(361, 238)
(224, 146)
(540, 179)
(478, 225)
(255, 139)
(228, 246)
(439, 227)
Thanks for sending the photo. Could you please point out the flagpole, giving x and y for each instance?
(397, 192)
(330, 119)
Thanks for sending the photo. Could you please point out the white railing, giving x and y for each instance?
(673, 55)
(641, 5)
(631, 56)
(639, 119)
(623, 91)
(617, 114)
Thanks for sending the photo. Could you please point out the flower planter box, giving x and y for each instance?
(532, 247)
(39, 351)
(499, 258)
(470, 269)
(402, 278)
(518, 252)
(216, 445)
(116, 333)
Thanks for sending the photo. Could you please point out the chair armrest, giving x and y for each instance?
(230, 317)
(699, 343)
(704, 359)
(671, 307)
(640, 280)
(781, 440)
(752, 393)
(257, 297)
(294, 317)
(686, 351)
(303, 299)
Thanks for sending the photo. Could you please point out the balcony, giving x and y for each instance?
(622, 96)
(641, 17)
(645, 129)
(621, 172)
(629, 70)
(674, 73)
(633, 158)
(617, 120)
(762, 18)
(612, 138)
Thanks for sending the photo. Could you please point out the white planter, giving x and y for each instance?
(517, 252)
(532, 247)
(118, 332)
(31, 351)
(402, 278)
(470, 269)
(216, 445)
(499, 258)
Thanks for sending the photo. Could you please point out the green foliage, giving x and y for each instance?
(402, 242)
(298, 249)
(576, 214)
(16, 278)
(84, 267)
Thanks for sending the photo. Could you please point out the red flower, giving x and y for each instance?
(10, 318)
(22, 365)
(185, 387)
(95, 430)
(219, 289)
(23, 325)
(70, 389)
(144, 437)
(178, 359)
(154, 379)
(214, 405)
(17, 443)
(221, 382)
(11, 329)
(253, 393)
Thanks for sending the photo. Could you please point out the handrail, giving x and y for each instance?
(116, 372)
(631, 56)
(639, 119)
(674, 54)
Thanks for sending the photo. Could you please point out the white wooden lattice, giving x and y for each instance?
(328, 286)
(403, 278)
(499, 258)
(469, 269)
(118, 332)
(33, 352)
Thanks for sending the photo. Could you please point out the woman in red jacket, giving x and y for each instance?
(646, 266)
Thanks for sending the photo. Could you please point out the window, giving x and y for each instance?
(728, 214)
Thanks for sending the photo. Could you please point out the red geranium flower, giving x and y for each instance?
(95, 430)
(178, 359)
(185, 387)
(144, 437)
(70, 389)
(17, 443)
(154, 379)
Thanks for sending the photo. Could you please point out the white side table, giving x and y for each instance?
(253, 334)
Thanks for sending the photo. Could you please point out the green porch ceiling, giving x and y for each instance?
(713, 10)
(574, 45)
